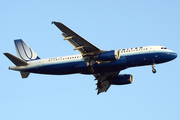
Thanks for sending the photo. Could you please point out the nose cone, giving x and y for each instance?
(172, 55)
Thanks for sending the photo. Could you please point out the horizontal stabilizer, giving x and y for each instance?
(17, 61)
(24, 74)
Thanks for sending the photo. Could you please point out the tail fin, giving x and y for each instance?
(24, 51)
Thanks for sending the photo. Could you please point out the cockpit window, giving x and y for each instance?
(163, 48)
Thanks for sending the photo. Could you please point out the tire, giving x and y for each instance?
(154, 70)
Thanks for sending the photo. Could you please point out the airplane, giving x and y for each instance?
(104, 65)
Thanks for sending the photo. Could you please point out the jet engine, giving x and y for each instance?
(108, 55)
(122, 79)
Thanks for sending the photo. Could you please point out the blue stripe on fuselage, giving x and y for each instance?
(58, 68)
(125, 61)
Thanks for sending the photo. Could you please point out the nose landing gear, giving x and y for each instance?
(153, 70)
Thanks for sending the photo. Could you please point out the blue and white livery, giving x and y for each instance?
(24, 51)
(104, 65)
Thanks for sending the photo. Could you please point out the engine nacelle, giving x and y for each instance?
(109, 55)
(122, 79)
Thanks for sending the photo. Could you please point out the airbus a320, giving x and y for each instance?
(104, 65)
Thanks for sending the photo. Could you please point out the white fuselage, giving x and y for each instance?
(150, 54)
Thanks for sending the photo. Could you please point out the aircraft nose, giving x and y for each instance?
(173, 55)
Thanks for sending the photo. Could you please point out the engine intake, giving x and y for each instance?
(122, 79)
(108, 55)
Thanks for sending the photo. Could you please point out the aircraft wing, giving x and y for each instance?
(80, 44)
(103, 80)
(87, 50)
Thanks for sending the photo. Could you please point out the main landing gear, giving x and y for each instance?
(153, 70)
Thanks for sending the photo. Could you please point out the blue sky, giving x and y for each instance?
(111, 24)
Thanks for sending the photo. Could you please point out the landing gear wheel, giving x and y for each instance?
(153, 66)
(154, 70)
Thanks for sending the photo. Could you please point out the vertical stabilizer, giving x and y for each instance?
(24, 51)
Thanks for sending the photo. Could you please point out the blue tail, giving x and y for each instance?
(24, 51)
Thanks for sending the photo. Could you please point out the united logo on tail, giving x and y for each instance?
(24, 51)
